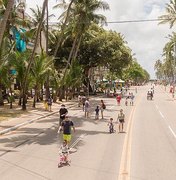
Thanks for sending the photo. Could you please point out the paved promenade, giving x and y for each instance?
(31, 115)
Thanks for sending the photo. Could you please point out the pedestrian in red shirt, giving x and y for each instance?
(118, 98)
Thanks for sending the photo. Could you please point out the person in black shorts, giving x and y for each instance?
(63, 112)
(121, 119)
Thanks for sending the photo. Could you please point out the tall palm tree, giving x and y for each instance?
(65, 21)
(33, 54)
(170, 16)
(82, 14)
(3, 23)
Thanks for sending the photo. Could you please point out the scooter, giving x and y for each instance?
(63, 160)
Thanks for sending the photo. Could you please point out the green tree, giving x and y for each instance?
(135, 73)
(42, 65)
(5, 52)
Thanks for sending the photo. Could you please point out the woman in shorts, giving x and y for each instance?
(121, 119)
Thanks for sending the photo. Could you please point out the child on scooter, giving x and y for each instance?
(64, 152)
(111, 126)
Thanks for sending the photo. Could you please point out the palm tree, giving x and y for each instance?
(42, 65)
(20, 62)
(65, 21)
(37, 14)
(5, 52)
(169, 54)
(3, 23)
(33, 54)
(170, 16)
(82, 15)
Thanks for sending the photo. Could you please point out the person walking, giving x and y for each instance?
(46, 105)
(118, 98)
(63, 112)
(79, 100)
(131, 99)
(121, 120)
(49, 103)
(102, 108)
(66, 125)
(83, 102)
(97, 110)
(87, 108)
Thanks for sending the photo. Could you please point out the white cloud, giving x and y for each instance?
(146, 39)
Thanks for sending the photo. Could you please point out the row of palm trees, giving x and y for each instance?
(73, 46)
(166, 68)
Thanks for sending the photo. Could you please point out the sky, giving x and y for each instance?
(146, 39)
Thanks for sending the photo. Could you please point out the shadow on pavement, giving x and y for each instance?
(28, 135)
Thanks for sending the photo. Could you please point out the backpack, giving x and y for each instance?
(103, 106)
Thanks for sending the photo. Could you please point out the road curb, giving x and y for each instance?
(28, 122)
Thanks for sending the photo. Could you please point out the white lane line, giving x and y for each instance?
(78, 140)
(161, 114)
(166, 122)
(172, 131)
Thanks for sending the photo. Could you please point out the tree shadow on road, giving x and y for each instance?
(48, 136)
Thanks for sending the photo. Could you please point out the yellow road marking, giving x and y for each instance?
(124, 171)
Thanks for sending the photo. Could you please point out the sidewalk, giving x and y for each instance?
(30, 116)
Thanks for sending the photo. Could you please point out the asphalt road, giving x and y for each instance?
(153, 152)
(145, 152)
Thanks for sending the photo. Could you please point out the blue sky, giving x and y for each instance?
(145, 39)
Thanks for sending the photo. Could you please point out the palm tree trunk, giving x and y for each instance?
(47, 26)
(35, 97)
(41, 47)
(62, 28)
(1, 97)
(70, 56)
(62, 89)
(5, 18)
(32, 56)
(77, 48)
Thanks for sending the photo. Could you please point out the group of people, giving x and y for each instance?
(66, 125)
(120, 121)
(100, 108)
(82, 100)
(129, 97)
(48, 104)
